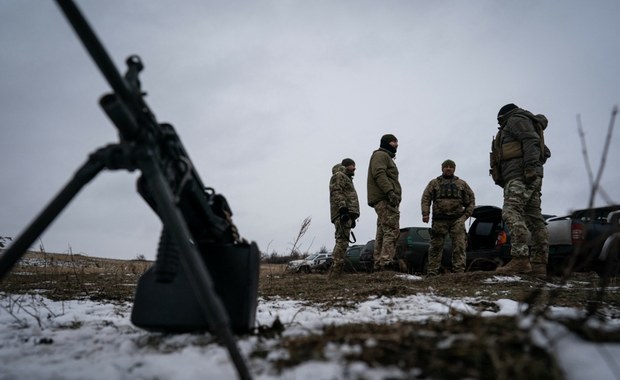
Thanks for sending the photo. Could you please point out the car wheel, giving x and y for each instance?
(611, 266)
(303, 269)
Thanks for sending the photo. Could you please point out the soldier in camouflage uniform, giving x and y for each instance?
(344, 210)
(384, 195)
(522, 153)
(453, 202)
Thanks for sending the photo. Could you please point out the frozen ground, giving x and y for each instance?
(44, 339)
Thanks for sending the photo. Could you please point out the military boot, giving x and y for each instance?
(516, 265)
(539, 269)
(336, 270)
(335, 273)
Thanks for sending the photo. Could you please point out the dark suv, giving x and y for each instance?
(359, 257)
(488, 239)
(412, 249)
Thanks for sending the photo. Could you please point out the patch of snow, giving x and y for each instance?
(44, 339)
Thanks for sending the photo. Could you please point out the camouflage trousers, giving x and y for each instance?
(388, 228)
(440, 228)
(343, 230)
(523, 216)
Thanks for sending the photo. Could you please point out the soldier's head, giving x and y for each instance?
(349, 166)
(389, 142)
(503, 113)
(448, 167)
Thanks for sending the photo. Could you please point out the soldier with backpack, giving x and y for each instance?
(517, 158)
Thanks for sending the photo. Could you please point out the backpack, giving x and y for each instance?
(495, 158)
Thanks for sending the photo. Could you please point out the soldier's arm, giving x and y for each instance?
(336, 190)
(469, 207)
(427, 197)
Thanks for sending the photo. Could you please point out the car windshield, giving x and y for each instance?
(312, 257)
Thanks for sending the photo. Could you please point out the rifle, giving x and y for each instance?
(197, 225)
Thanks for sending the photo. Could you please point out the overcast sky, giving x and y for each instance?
(268, 95)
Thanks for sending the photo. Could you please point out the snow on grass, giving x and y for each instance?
(44, 339)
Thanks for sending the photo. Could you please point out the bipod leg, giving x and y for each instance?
(84, 175)
(199, 278)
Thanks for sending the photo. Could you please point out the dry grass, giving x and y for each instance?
(479, 347)
(484, 348)
(63, 277)
(356, 287)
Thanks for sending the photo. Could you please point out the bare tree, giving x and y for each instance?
(595, 183)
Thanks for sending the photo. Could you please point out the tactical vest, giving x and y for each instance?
(447, 190)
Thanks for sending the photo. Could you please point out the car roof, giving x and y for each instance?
(486, 212)
(594, 213)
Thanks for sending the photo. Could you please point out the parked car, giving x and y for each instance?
(317, 262)
(358, 258)
(587, 240)
(488, 239)
(412, 249)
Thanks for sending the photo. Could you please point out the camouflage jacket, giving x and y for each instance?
(450, 197)
(382, 176)
(342, 193)
(521, 139)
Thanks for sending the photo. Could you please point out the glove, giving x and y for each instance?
(393, 199)
(530, 175)
(344, 214)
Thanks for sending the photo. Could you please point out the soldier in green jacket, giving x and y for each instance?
(453, 202)
(344, 210)
(384, 195)
(520, 152)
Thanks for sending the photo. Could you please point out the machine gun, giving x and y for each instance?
(217, 279)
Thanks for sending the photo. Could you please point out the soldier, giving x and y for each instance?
(520, 152)
(384, 195)
(344, 210)
(453, 202)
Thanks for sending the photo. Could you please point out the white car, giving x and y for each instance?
(317, 261)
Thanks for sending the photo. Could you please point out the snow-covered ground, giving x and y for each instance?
(44, 339)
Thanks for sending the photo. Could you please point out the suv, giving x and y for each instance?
(488, 243)
(412, 249)
(317, 262)
(359, 257)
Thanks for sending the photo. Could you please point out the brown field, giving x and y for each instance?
(63, 276)
(500, 349)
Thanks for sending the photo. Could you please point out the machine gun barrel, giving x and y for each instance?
(127, 95)
(134, 120)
